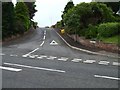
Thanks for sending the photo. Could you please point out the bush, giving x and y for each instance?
(91, 32)
(108, 29)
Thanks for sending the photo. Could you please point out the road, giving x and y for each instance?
(43, 60)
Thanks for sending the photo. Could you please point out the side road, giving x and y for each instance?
(75, 45)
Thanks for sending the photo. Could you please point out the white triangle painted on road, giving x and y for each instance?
(53, 42)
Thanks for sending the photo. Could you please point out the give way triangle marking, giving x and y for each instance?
(53, 42)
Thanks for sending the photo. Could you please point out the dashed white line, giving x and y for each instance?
(10, 69)
(104, 62)
(89, 61)
(44, 38)
(44, 32)
(51, 57)
(116, 63)
(107, 77)
(63, 59)
(32, 67)
(42, 43)
(41, 56)
(13, 55)
(76, 60)
(2, 54)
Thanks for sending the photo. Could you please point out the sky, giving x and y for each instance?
(50, 11)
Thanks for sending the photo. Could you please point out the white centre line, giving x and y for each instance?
(44, 38)
(10, 69)
(38, 68)
(107, 77)
(44, 32)
(42, 43)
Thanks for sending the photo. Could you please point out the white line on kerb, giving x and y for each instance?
(10, 69)
(107, 77)
(38, 68)
(84, 49)
(42, 43)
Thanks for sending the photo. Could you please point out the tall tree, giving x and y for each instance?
(113, 5)
(31, 8)
(69, 5)
(8, 19)
(22, 16)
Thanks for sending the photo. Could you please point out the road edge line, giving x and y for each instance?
(91, 52)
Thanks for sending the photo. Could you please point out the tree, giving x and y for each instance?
(69, 5)
(22, 17)
(113, 5)
(8, 19)
(79, 17)
(31, 8)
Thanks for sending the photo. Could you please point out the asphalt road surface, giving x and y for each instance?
(43, 60)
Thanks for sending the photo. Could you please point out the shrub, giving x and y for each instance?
(108, 29)
(91, 32)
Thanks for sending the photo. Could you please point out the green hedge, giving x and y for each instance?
(108, 29)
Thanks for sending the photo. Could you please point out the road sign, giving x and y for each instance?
(53, 43)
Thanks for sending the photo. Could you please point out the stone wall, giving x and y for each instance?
(97, 44)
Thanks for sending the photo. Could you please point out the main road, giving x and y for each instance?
(42, 60)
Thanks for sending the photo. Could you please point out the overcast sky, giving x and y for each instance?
(49, 11)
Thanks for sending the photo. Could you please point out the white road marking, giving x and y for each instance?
(41, 56)
(107, 77)
(10, 69)
(42, 43)
(76, 60)
(44, 37)
(26, 55)
(32, 67)
(44, 32)
(1, 54)
(104, 62)
(89, 61)
(32, 56)
(84, 49)
(116, 63)
(51, 57)
(53, 43)
(63, 59)
(13, 55)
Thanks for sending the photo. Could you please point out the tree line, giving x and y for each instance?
(93, 20)
(17, 20)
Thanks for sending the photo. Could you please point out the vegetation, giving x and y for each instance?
(92, 20)
(18, 19)
(113, 39)
(8, 19)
